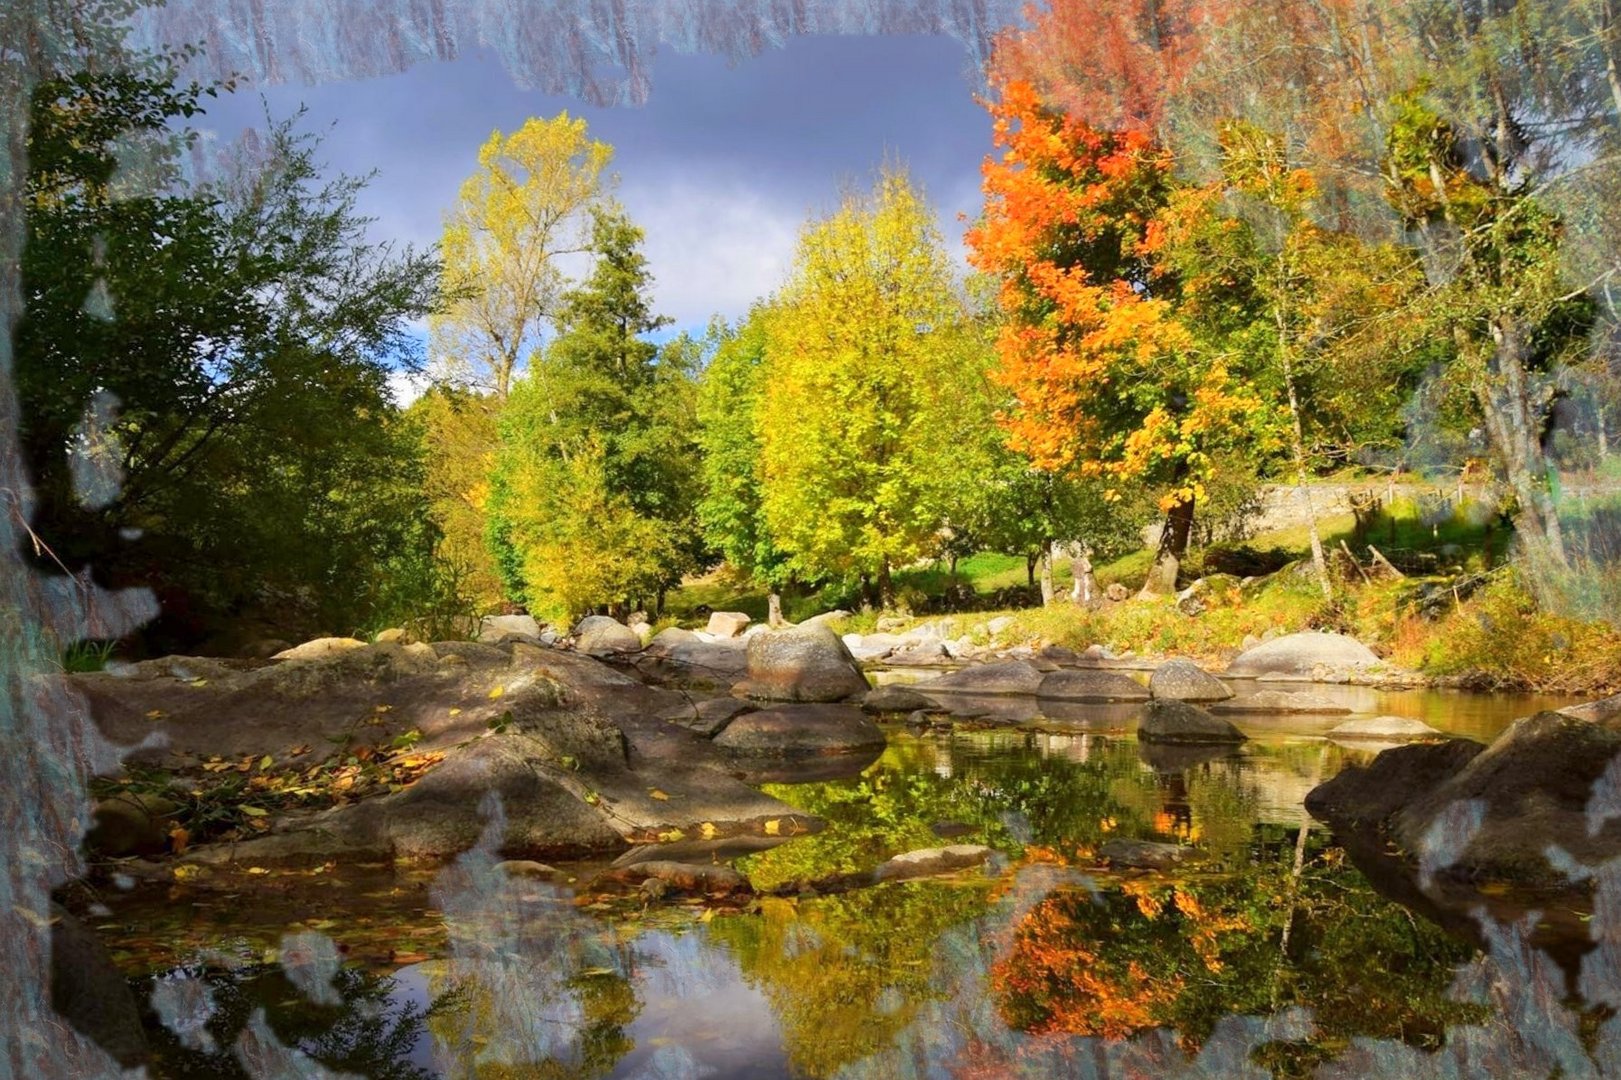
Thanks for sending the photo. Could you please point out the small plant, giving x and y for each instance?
(83, 656)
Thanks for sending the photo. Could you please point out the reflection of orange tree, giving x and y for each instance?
(1113, 964)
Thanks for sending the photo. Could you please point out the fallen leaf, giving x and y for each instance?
(254, 811)
(657, 794)
(265, 762)
(773, 827)
(155, 714)
(496, 692)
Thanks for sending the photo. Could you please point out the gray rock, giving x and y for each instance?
(1091, 686)
(1183, 680)
(1146, 854)
(801, 663)
(801, 729)
(931, 861)
(920, 654)
(1385, 728)
(494, 629)
(709, 718)
(1179, 722)
(1597, 712)
(524, 868)
(1117, 593)
(680, 657)
(1006, 677)
(90, 993)
(598, 635)
(1283, 701)
(895, 698)
(999, 625)
(1304, 656)
(727, 624)
(869, 647)
(826, 617)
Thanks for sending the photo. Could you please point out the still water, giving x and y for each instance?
(1270, 954)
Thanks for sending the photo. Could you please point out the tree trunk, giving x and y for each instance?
(1085, 589)
(773, 611)
(1298, 441)
(1514, 422)
(886, 587)
(1047, 573)
(1173, 545)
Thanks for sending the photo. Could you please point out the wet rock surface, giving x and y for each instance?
(1180, 722)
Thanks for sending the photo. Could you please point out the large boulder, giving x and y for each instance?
(90, 993)
(801, 663)
(1362, 796)
(1277, 702)
(1091, 686)
(727, 624)
(801, 729)
(1179, 722)
(599, 635)
(1305, 656)
(1597, 712)
(1005, 677)
(1183, 680)
(494, 629)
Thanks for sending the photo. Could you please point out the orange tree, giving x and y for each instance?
(1106, 379)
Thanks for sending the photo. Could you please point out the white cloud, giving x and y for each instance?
(406, 387)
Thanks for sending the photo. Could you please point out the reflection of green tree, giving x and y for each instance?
(845, 974)
(367, 1034)
(1183, 955)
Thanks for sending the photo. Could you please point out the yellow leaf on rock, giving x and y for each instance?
(496, 692)
(707, 830)
(773, 827)
(657, 794)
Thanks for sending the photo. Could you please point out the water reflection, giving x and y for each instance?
(1275, 955)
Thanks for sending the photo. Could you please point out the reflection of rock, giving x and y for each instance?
(801, 663)
(1119, 715)
(1179, 722)
(1304, 656)
(771, 769)
(89, 991)
(1183, 680)
(1091, 686)
(1177, 758)
(1282, 701)
(801, 729)
(895, 698)
(1006, 677)
(689, 879)
(931, 861)
(1146, 854)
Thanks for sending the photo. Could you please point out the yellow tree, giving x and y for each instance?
(527, 207)
(869, 396)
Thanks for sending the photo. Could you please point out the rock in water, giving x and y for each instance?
(1091, 687)
(1179, 722)
(598, 635)
(727, 624)
(1006, 677)
(1146, 854)
(1183, 680)
(801, 729)
(1597, 712)
(1305, 656)
(801, 663)
(1385, 728)
(90, 993)
(1362, 796)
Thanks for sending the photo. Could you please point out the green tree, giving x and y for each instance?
(867, 398)
(596, 477)
(204, 368)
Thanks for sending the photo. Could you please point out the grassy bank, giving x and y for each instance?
(1461, 613)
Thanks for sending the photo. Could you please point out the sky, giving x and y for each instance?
(720, 168)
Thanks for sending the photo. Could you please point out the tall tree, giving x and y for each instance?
(596, 477)
(866, 397)
(526, 208)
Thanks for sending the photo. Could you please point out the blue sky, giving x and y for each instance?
(720, 168)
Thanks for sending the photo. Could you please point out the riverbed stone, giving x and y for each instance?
(599, 635)
(1003, 677)
(1385, 729)
(1285, 702)
(929, 862)
(1367, 796)
(132, 823)
(896, 698)
(1607, 711)
(1183, 680)
(709, 718)
(919, 654)
(90, 992)
(494, 629)
(727, 624)
(1180, 722)
(801, 663)
(1090, 686)
(1146, 854)
(801, 729)
(679, 657)
(320, 648)
(1305, 656)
